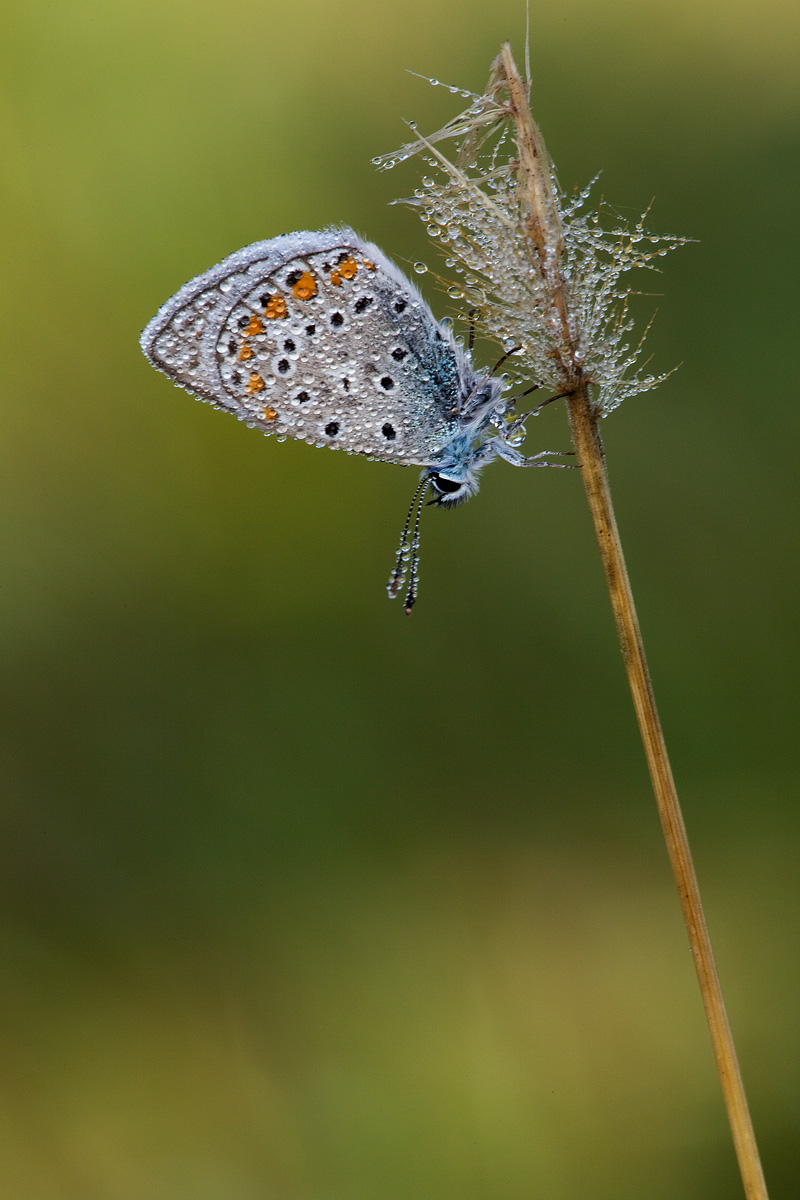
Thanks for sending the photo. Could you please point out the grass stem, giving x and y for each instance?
(586, 438)
(543, 229)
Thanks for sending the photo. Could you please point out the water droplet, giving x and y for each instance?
(420, 268)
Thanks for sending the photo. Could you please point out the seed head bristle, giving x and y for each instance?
(474, 207)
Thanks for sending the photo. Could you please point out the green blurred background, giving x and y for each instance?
(303, 900)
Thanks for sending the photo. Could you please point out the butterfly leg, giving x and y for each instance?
(517, 459)
(534, 460)
(520, 421)
(540, 460)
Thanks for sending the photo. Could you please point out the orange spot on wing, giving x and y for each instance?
(255, 384)
(254, 327)
(369, 265)
(276, 307)
(269, 414)
(245, 353)
(348, 268)
(336, 279)
(305, 288)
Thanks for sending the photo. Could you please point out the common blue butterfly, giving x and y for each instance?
(318, 336)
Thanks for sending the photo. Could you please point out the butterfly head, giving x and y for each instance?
(454, 483)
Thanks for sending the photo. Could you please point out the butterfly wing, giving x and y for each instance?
(319, 337)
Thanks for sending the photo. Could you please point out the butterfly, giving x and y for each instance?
(318, 336)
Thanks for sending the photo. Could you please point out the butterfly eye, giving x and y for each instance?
(445, 485)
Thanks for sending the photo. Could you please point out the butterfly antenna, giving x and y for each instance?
(400, 571)
(413, 581)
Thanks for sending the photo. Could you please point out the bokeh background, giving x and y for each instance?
(302, 900)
